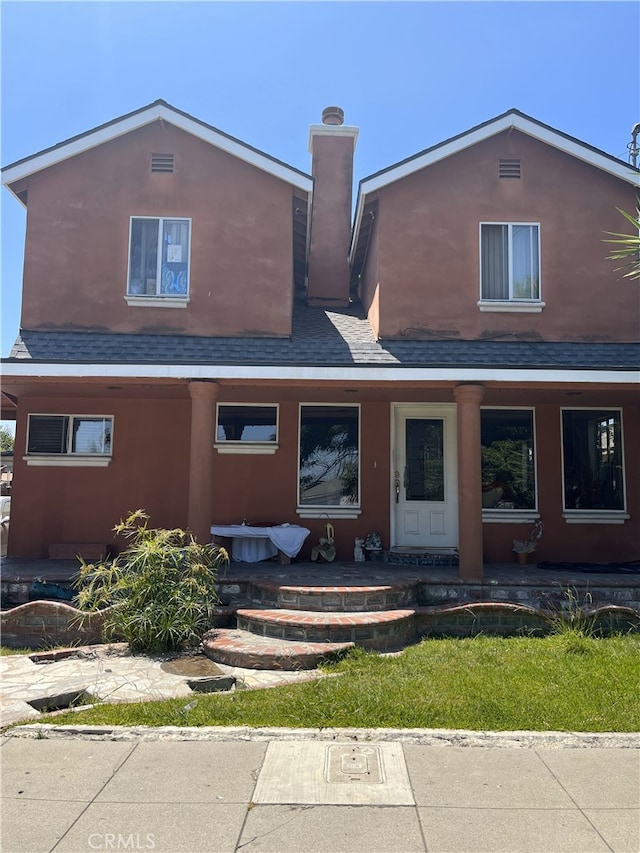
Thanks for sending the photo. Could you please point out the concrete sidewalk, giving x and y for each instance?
(306, 791)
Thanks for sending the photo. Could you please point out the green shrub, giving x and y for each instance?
(159, 593)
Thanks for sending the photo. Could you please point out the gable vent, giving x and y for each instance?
(509, 169)
(162, 162)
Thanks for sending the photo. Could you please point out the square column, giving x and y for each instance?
(200, 508)
(469, 398)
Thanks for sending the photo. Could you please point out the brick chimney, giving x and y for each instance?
(331, 145)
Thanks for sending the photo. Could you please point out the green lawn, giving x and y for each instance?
(564, 682)
(6, 651)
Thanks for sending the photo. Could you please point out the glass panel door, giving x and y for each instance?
(424, 477)
(424, 473)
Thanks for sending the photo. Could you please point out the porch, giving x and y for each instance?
(275, 616)
(534, 585)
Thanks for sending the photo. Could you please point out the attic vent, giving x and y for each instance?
(509, 169)
(162, 162)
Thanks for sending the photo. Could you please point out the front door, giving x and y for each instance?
(425, 489)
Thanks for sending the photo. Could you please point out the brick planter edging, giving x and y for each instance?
(49, 623)
(505, 619)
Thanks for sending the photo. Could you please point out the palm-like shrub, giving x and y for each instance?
(628, 247)
(159, 594)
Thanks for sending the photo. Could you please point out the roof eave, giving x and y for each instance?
(507, 121)
(158, 110)
(25, 369)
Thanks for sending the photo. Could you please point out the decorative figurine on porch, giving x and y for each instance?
(358, 552)
(373, 542)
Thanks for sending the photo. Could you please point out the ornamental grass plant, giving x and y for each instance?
(158, 594)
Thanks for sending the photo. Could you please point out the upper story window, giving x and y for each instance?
(159, 258)
(593, 466)
(244, 428)
(329, 462)
(69, 440)
(510, 266)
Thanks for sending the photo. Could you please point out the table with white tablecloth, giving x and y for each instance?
(252, 544)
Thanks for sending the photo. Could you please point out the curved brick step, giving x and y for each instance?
(380, 630)
(344, 598)
(235, 647)
(347, 598)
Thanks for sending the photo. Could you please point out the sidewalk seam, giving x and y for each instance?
(93, 799)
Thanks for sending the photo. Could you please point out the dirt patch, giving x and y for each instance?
(193, 666)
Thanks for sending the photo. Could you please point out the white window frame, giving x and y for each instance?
(159, 300)
(68, 458)
(328, 512)
(511, 516)
(512, 304)
(248, 447)
(594, 516)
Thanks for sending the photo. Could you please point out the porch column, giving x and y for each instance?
(200, 509)
(468, 398)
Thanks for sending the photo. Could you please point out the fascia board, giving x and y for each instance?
(356, 225)
(511, 120)
(113, 130)
(18, 370)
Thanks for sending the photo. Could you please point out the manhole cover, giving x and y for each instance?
(193, 667)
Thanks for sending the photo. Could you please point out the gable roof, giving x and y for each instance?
(512, 119)
(158, 110)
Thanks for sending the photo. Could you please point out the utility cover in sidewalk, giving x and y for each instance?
(317, 773)
(359, 764)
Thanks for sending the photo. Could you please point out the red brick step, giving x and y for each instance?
(347, 598)
(235, 647)
(380, 630)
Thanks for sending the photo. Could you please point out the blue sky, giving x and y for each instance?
(408, 75)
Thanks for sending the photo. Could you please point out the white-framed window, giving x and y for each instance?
(510, 266)
(246, 428)
(508, 464)
(593, 466)
(81, 440)
(159, 250)
(329, 461)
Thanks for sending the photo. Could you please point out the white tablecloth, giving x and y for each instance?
(252, 544)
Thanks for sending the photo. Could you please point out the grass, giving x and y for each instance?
(5, 650)
(564, 682)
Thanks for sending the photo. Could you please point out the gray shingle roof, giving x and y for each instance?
(320, 337)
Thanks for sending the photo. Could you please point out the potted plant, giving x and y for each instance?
(326, 547)
(524, 547)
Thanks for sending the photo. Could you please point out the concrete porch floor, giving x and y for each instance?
(331, 574)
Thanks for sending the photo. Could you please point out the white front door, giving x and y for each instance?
(424, 477)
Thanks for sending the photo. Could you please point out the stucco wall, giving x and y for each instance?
(151, 463)
(332, 168)
(149, 470)
(77, 243)
(428, 245)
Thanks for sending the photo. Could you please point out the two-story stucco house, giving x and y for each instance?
(207, 335)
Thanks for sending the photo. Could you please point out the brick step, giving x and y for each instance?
(448, 558)
(351, 598)
(235, 647)
(385, 629)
